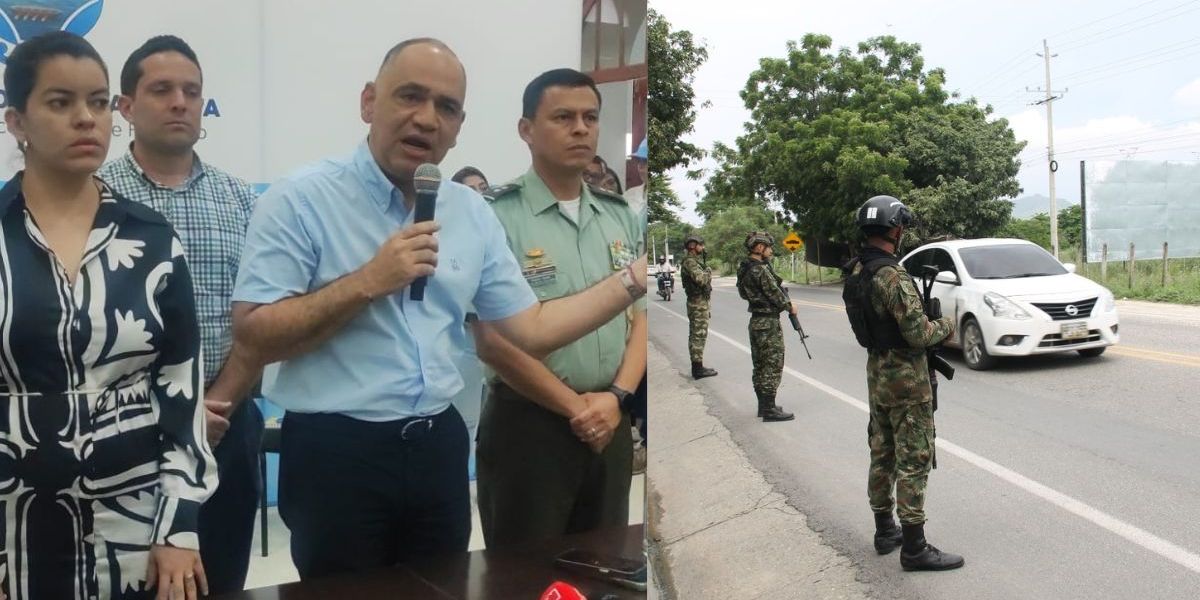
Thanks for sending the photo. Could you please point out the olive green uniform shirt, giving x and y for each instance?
(559, 258)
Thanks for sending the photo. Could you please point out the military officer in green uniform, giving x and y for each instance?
(763, 290)
(555, 450)
(888, 317)
(697, 284)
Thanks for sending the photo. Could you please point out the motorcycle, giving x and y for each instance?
(666, 285)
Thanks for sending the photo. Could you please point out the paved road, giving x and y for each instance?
(1059, 477)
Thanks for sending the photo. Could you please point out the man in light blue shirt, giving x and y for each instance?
(373, 464)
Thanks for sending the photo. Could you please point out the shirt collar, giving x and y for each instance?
(383, 192)
(109, 208)
(197, 171)
(542, 199)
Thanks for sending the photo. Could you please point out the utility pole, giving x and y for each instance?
(1051, 164)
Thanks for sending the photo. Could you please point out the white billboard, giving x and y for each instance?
(1145, 203)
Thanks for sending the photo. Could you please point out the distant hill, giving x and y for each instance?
(1027, 206)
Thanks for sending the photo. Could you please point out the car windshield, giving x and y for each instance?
(1009, 261)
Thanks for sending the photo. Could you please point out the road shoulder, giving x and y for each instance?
(718, 529)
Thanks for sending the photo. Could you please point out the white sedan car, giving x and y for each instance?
(1009, 297)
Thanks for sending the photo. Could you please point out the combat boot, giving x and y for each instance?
(699, 371)
(770, 412)
(887, 535)
(918, 555)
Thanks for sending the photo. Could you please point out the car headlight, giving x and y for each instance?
(1004, 308)
(1107, 302)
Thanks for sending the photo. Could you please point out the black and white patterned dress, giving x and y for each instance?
(102, 439)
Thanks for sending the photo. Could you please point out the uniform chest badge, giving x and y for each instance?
(622, 255)
(538, 268)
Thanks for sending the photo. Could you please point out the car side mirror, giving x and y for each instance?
(947, 277)
(1070, 267)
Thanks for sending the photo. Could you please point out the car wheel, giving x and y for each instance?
(974, 350)
(1092, 352)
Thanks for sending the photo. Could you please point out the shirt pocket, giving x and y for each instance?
(547, 283)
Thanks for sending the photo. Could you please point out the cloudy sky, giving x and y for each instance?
(1131, 68)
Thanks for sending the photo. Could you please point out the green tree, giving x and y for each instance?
(725, 232)
(1037, 228)
(659, 198)
(1070, 227)
(673, 58)
(829, 130)
(668, 236)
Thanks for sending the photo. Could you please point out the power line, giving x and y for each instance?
(1001, 83)
(1150, 151)
(1091, 139)
(1099, 37)
(1162, 51)
(1005, 66)
(1133, 69)
(1195, 135)
(1116, 14)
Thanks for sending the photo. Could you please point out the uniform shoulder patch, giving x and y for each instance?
(602, 193)
(495, 193)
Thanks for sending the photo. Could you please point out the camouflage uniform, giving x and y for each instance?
(901, 429)
(697, 284)
(760, 286)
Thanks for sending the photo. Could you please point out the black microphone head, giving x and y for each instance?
(427, 178)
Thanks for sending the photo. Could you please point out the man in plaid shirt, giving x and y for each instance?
(161, 99)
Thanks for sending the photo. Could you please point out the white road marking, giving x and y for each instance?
(1132, 533)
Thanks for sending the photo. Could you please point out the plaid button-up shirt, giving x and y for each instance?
(210, 212)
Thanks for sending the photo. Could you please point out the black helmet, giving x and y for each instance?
(755, 238)
(881, 213)
(693, 239)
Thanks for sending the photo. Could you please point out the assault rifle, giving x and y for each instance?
(933, 310)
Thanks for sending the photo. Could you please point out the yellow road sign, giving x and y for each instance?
(792, 242)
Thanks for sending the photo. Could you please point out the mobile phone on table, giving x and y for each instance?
(626, 572)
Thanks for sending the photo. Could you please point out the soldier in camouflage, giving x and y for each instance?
(697, 284)
(759, 285)
(901, 428)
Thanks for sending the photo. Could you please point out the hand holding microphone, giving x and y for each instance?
(409, 256)
(426, 179)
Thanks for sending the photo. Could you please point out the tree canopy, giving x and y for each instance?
(674, 57)
(830, 129)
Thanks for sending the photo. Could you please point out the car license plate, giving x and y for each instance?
(1074, 331)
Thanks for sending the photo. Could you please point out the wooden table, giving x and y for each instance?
(509, 574)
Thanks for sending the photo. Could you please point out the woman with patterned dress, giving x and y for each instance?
(103, 457)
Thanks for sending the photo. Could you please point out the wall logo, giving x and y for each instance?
(21, 20)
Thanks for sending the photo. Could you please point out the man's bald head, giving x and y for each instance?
(436, 43)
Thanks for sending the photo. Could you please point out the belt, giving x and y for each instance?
(415, 428)
(408, 429)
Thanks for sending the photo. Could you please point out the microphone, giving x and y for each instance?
(562, 591)
(426, 179)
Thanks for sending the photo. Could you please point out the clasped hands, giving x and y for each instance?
(597, 423)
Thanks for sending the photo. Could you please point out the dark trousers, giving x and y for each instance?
(358, 495)
(227, 518)
(536, 480)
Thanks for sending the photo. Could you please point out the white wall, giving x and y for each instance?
(286, 74)
(615, 122)
(505, 46)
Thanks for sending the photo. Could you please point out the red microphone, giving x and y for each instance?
(562, 591)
